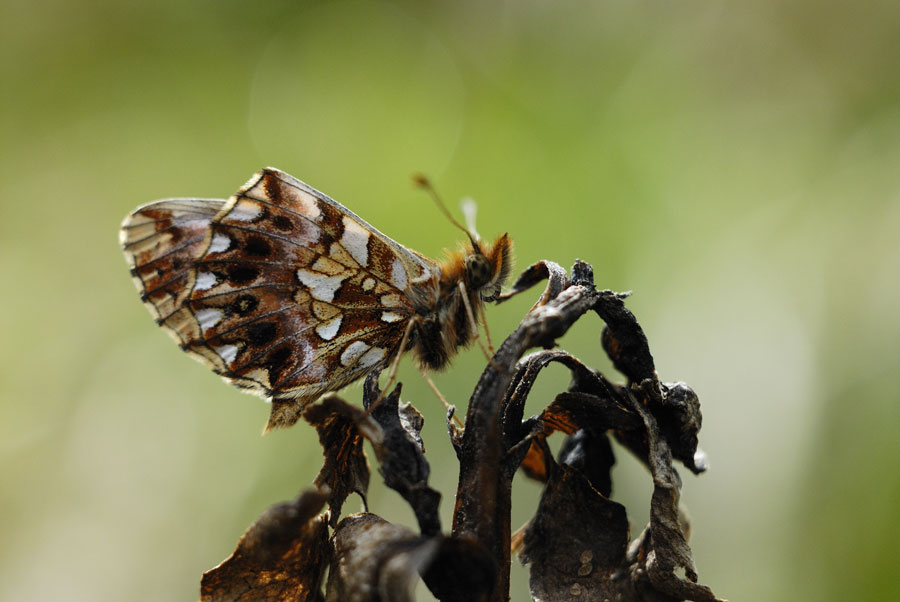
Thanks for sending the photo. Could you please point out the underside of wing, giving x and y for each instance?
(162, 241)
(280, 290)
(295, 296)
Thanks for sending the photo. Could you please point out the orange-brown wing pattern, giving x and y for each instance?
(293, 295)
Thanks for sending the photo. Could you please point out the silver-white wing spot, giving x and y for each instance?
(372, 357)
(328, 330)
(209, 317)
(205, 280)
(356, 240)
(390, 316)
(320, 286)
(398, 274)
(219, 244)
(245, 210)
(227, 352)
(353, 352)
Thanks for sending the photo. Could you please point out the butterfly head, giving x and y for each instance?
(488, 266)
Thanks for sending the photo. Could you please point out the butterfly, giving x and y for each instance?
(288, 294)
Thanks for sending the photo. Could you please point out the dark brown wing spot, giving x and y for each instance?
(262, 333)
(257, 246)
(277, 362)
(243, 274)
(283, 223)
(273, 186)
(176, 233)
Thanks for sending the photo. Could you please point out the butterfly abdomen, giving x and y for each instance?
(437, 336)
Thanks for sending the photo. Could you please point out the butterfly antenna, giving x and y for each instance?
(470, 212)
(423, 182)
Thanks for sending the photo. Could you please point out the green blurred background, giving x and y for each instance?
(736, 166)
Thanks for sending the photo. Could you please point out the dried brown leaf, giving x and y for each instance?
(536, 464)
(346, 469)
(375, 561)
(401, 454)
(576, 541)
(556, 277)
(662, 554)
(281, 557)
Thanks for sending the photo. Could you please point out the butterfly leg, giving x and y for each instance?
(439, 395)
(487, 332)
(488, 351)
(395, 363)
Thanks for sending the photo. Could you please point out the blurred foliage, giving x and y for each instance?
(734, 165)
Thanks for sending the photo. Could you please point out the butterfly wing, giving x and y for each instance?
(294, 295)
(162, 241)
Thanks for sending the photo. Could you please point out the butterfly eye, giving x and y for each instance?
(478, 270)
